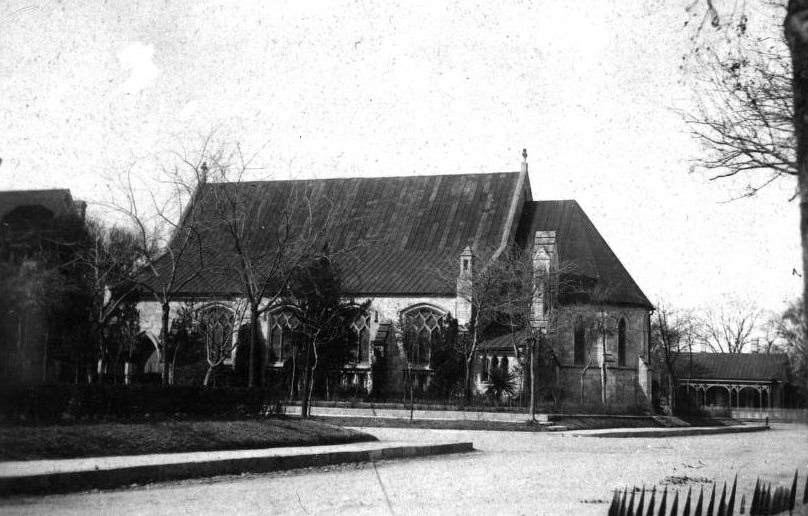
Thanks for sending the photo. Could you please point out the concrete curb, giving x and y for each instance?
(420, 414)
(667, 432)
(112, 477)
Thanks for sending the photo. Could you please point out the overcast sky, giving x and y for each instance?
(593, 90)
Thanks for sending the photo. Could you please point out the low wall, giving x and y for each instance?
(774, 414)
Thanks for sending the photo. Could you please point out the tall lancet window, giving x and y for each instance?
(621, 342)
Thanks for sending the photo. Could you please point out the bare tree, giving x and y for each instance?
(484, 286)
(531, 284)
(315, 298)
(519, 291)
(111, 261)
(673, 334)
(594, 321)
(729, 327)
(261, 259)
(212, 327)
(166, 232)
(745, 113)
(795, 29)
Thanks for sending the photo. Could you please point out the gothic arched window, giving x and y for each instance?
(503, 364)
(579, 341)
(621, 342)
(283, 336)
(422, 329)
(361, 350)
(216, 329)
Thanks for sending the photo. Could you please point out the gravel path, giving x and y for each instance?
(512, 473)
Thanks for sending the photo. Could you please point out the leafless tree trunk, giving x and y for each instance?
(796, 31)
(165, 311)
(673, 333)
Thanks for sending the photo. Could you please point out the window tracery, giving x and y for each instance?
(283, 335)
(422, 329)
(361, 350)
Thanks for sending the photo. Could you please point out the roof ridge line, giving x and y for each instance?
(257, 181)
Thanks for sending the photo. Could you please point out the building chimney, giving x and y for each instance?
(465, 279)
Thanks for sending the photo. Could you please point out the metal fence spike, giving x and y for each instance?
(614, 508)
(792, 495)
(686, 510)
(731, 503)
(711, 504)
(630, 506)
(641, 503)
(805, 491)
(743, 504)
(699, 503)
(651, 503)
(767, 500)
(722, 505)
(755, 502)
(675, 504)
(663, 504)
(622, 511)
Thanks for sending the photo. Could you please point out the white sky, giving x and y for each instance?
(592, 89)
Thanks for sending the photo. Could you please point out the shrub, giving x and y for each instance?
(52, 402)
(501, 383)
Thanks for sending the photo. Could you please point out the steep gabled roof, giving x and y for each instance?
(732, 366)
(581, 246)
(399, 229)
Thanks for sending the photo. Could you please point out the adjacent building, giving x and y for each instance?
(737, 384)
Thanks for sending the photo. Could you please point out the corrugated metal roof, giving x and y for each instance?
(400, 230)
(503, 340)
(732, 366)
(582, 247)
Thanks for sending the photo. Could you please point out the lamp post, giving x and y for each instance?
(602, 330)
(532, 342)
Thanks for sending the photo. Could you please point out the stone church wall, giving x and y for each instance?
(623, 384)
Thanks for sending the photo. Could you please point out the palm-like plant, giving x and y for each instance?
(500, 383)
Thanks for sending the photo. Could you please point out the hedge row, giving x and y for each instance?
(51, 402)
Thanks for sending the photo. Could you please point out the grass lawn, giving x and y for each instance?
(97, 439)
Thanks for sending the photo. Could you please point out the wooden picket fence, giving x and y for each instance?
(765, 500)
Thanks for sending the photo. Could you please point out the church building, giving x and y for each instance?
(399, 233)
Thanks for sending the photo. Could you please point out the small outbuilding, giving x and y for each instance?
(732, 383)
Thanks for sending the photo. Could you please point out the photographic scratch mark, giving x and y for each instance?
(22, 10)
(384, 491)
(301, 502)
